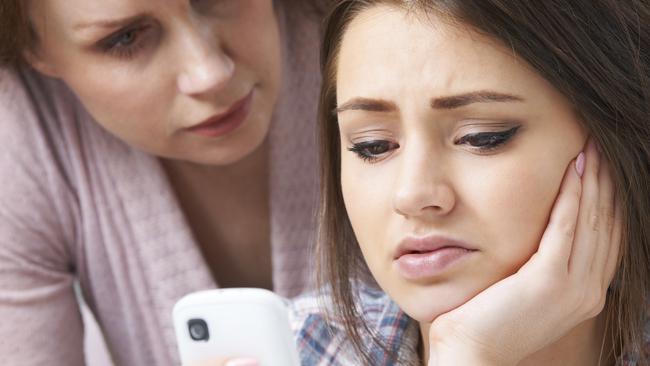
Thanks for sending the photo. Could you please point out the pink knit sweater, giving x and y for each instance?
(77, 203)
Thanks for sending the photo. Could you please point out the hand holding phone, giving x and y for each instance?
(233, 323)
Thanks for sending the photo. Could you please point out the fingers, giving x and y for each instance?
(599, 230)
(558, 237)
(606, 218)
(589, 218)
(228, 362)
(612, 259)
(594, 256)
(242, 362)
(212, 362)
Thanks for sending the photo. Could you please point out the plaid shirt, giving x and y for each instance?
(323, 342)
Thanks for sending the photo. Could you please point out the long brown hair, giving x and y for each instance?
(597, 54)
(16, 35)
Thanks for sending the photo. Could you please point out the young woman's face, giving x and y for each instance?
(452, 154)
(150, 71)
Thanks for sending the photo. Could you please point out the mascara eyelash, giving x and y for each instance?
(361, 149)
(495, 139)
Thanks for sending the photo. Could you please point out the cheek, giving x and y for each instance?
(512, 208)
(367, 194)
(136, 108)
(357, 199)
(124, 102)
(255, 39)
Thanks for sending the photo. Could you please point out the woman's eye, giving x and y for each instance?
(125, 39)
(372, 150)
(125, 43)
(487, 141)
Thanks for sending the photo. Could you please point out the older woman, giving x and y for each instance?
(150, 149)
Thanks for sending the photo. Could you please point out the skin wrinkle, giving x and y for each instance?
(444, 102)
(110, 23)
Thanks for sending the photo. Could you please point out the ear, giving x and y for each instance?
(36, 60)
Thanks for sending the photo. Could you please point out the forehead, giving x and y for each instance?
(386, 49)
(94, 9)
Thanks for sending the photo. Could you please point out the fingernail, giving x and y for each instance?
(243, 362)
(580, 164)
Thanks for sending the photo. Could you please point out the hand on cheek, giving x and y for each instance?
(562, 285)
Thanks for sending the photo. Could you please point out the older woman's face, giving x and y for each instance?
(452, 154)
(191, 80)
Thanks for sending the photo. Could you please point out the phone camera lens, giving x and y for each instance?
(198, 329)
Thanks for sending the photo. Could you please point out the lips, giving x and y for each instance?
(428, 257)
(226, 122)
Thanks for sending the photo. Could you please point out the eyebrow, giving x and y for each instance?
(448, 102)
(110, 23)
(367, 104)
(482, 96)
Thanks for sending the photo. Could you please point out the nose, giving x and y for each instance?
(423, 187)
(205, 66)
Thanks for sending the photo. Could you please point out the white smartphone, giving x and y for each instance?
(235, 322)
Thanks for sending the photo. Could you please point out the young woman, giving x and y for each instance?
(151, 149)
(489, 163)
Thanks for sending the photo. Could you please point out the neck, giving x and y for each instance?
(585, 345)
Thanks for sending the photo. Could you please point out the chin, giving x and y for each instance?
(225, 158)
(235, 148)
(426, 303)
(427, 313)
